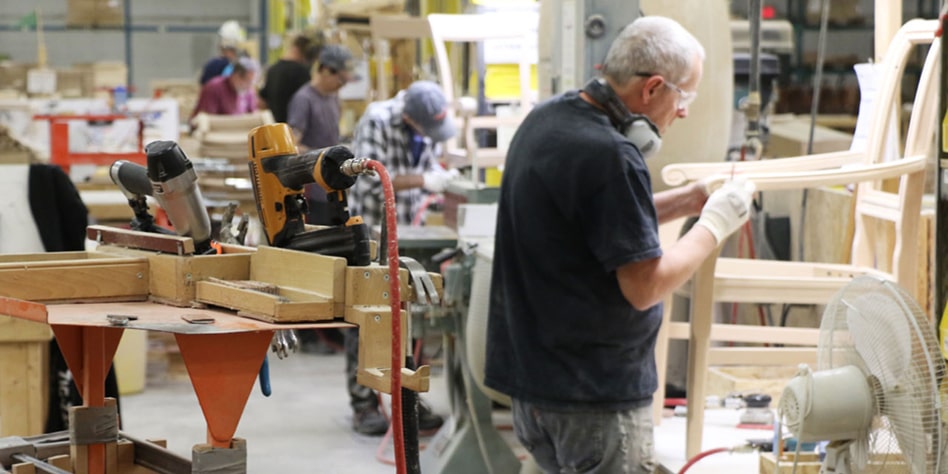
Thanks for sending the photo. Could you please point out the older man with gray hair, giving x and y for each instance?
(578, 273)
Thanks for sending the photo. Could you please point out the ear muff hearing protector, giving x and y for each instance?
(637, 128)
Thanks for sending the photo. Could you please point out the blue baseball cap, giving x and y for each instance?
(339, 59)
(426, 105)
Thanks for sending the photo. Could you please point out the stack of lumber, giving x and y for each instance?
(225, 136)
(13, 151)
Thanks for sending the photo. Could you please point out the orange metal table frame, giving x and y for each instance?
(59, 141)
(223, 354)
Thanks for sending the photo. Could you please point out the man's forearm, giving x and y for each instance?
(678, 202)
(408, 181)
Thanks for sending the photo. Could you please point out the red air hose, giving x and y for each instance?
(391, 222)
(700, 456)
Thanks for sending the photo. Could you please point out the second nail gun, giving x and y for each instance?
(279, 173)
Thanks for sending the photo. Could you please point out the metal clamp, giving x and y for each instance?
(425, 291)
(284, 341)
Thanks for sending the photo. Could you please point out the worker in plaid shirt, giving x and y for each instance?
(404, 134)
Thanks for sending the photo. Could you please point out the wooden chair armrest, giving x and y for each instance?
(677, 174)
(851, 174)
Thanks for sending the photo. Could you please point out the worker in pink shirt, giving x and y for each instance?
(232, 94)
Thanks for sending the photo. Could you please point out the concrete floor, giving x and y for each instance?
(303, 427)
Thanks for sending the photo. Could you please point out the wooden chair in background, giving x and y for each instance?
(472, 28)
(775, 282)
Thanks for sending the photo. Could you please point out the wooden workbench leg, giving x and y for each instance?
(702, 313)
(24, 373)
(223, 368)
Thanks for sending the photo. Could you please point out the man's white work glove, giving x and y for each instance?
(435, 181)
(727, 208)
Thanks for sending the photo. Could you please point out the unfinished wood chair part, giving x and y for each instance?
(391, 27)
(668, 233)
(757, 281)
(445, 28)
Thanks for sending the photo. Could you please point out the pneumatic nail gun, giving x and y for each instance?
(279, 173)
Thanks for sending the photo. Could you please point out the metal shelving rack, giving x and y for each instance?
(796, 15)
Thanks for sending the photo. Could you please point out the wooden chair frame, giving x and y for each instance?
(757, 281)
(475, 28)
(383, 28)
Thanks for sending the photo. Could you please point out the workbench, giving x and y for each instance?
(223, 310)
(223, 352)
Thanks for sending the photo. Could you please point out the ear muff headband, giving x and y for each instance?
(637, 128)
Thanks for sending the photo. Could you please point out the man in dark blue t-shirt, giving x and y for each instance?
(578, 272)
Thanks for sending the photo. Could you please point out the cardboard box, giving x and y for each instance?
(101, 76)
(13, 75)
(70, 83)
(93, 13)
(790, 137)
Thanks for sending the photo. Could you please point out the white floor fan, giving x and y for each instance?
(877, 394)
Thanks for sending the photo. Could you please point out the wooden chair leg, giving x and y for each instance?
(661, 362)
(702, 313)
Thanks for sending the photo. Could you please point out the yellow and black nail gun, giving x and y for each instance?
(279, 173)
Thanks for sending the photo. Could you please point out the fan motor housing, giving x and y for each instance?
(834, 404)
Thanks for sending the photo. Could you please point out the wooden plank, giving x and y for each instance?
(807, 464)
(375, 349)
(303, 312)
(57, 260)
(37, 368)
(173, 277)
(80, 457)
(140, 240)
(20, 330)
(233, 266)
(98, 280)
(771, 356)
(303, 305)
(303, 270)
(62, 461)
(23, 375)
(111, 458)
(746, 333)
(369, 285)
(24, 468)
(49, 256)
(125, 451)
(163, 282)
(234, 298)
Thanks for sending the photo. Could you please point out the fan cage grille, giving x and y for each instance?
(876, 326)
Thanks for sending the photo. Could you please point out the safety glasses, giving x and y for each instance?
(685, 98)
